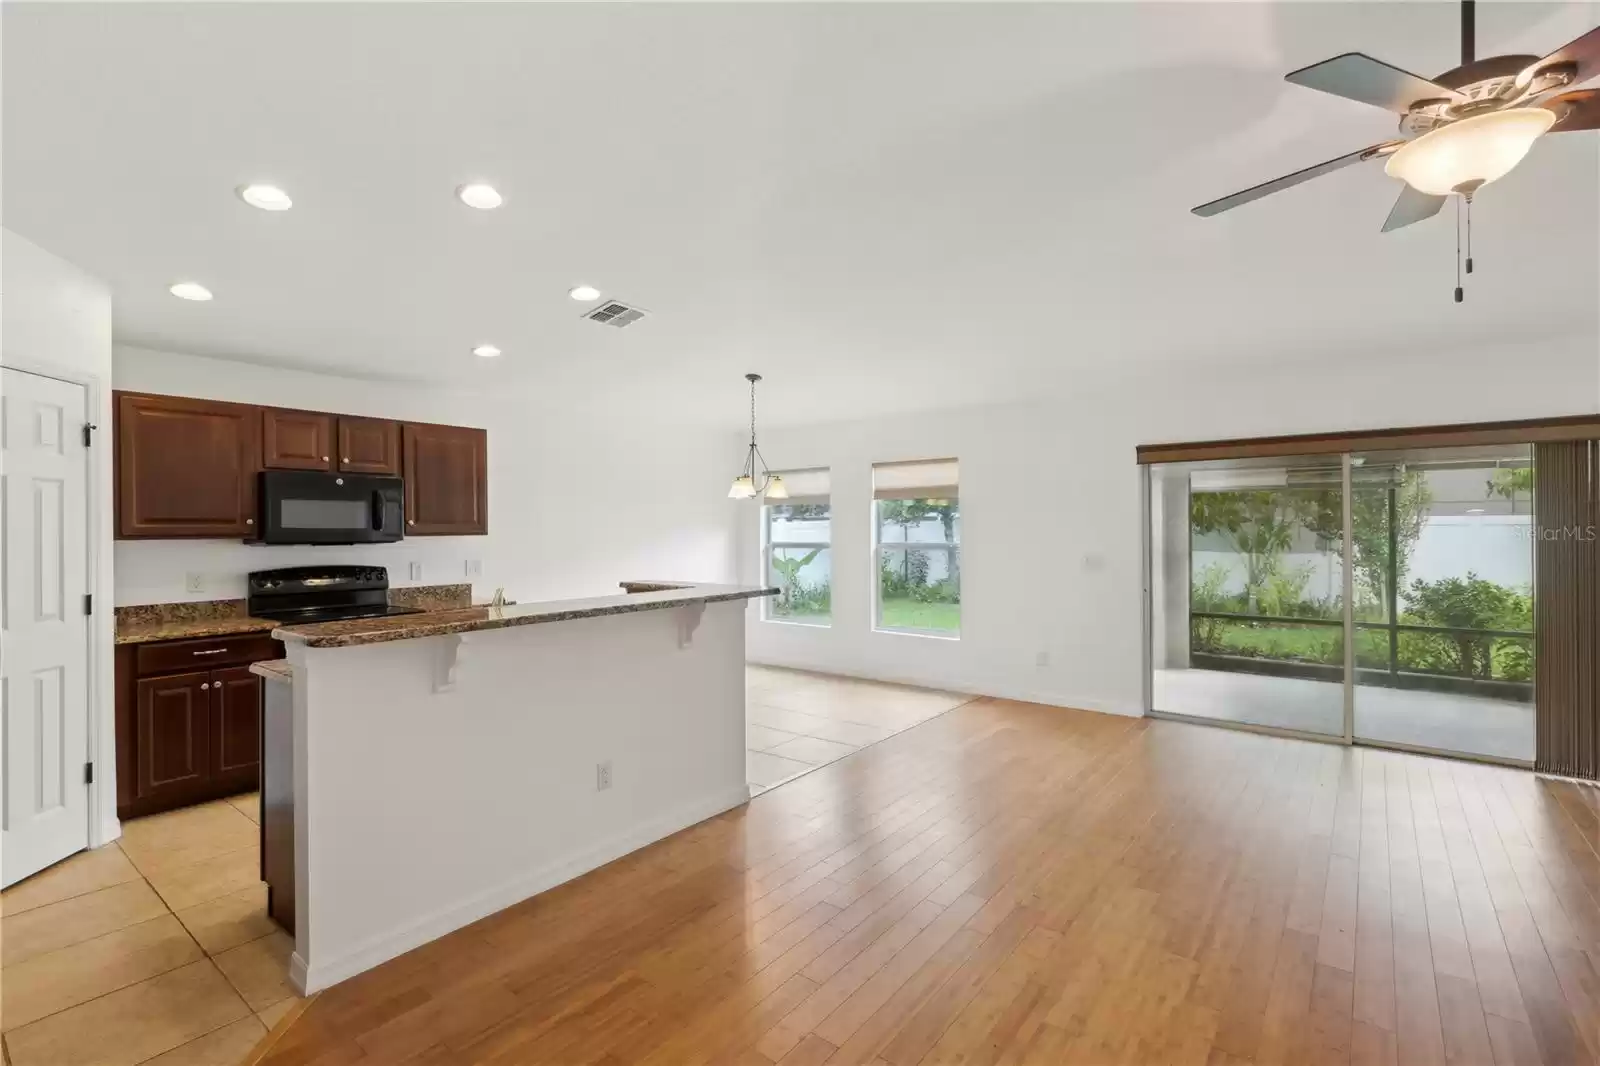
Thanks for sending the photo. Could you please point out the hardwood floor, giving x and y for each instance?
(1017, 884)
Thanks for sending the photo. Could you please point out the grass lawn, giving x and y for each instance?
(910, 614)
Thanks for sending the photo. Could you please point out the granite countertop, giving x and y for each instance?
(273, 669)
(146, 622)
(662, 595)
(143, 633)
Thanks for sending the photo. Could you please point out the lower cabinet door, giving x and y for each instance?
(236, 728)
(174, 722)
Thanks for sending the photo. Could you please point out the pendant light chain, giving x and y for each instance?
(1460, 295)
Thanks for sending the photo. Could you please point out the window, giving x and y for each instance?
(795, 549)
(917, 536)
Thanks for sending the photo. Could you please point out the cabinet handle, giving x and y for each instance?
(204, 685)
(324, 458)
(346, 459)
(411, 521)
(213, 651)
(249, 521)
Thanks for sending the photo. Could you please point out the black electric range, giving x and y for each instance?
(303, 595)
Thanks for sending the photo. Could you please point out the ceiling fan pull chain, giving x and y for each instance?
(1460, 295)
(1469, 235)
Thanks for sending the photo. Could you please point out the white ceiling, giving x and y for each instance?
(881, 207)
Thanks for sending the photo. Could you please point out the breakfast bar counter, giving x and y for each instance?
(438, 767)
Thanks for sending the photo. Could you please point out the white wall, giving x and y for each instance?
(1066, 468)
(561, 490)
(56, 320)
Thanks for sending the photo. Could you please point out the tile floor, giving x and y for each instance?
(154, 949)
(797, 721)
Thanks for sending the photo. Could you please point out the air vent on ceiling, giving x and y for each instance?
(612, 313)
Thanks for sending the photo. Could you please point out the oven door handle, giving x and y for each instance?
(377, 510)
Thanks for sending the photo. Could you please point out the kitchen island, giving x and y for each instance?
(445, 765)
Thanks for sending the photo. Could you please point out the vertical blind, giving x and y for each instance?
(1567, 608)
(805, 486)
(921, 479)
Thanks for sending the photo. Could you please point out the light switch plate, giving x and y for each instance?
(416, 571)
(474, 567)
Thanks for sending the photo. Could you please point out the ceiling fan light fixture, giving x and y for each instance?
(1470, 152)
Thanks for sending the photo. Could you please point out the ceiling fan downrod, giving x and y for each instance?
(1469, 31)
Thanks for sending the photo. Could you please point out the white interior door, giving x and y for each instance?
(44, 662)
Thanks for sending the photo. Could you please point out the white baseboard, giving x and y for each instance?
(317, 974)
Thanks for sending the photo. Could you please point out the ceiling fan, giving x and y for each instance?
(1458, 131)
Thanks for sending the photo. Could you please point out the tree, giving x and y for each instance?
(1260, 524)
(1369, 529)
(1461, 604)
(905, 514)
(1509, 482)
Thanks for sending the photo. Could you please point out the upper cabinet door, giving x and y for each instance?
(186, 468)
(447, 479)
(296, 440)
(368, 446)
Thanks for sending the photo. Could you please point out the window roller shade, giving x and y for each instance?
(805, 486)
(929, 479)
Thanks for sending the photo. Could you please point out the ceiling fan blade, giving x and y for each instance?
(1412, 206)
(1575, 111)
(1357, 76)
(1266, 188)
(1583, 54)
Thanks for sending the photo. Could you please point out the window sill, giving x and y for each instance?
(930, 634)
(797, 622)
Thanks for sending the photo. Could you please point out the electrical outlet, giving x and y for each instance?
(416, 571)
(474, 567)
(194, 582)
(602, 776)
(1042, 659)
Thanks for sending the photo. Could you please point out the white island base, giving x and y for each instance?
(439, 779)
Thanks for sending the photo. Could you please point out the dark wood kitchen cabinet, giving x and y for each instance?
(368, 446)
(186, 468)
(174, 736)
(188, 720)
(296, 440)
(236, 732)
(190, 468)
(446, 479)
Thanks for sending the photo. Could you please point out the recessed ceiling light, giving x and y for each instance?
(483, 197)
(266, 197)
(585, 293)
(486, 351)
(190, 290)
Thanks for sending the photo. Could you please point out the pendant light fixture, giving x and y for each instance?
(746, 486)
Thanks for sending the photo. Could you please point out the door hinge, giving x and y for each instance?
(88, 603)
(88, 773)
(88, 434)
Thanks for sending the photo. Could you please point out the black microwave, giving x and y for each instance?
(310, 507)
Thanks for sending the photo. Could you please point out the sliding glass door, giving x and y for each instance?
(1248, 592)
(1443, 544)
(1383, 597)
